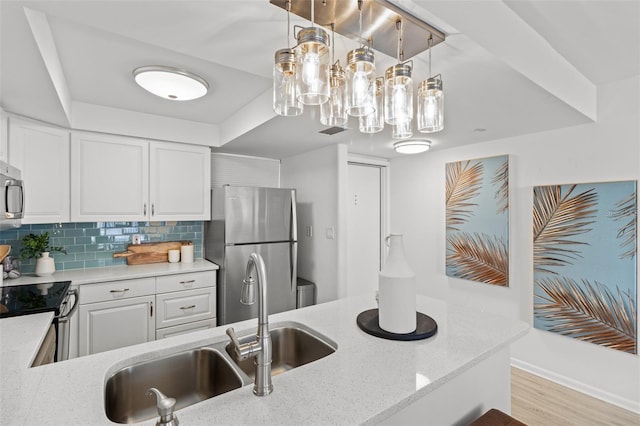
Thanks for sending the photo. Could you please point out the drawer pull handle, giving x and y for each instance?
(188, 307)
(122, 290)
(188, 282)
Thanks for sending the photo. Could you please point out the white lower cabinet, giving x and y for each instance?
(176, 330)
(116, 314)
(185, 306)
(115, 324)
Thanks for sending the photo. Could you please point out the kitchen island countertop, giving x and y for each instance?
(366, 380)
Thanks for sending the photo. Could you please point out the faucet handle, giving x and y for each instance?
(165, 407)
(242, 351)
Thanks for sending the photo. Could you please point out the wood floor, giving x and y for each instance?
(539, 402)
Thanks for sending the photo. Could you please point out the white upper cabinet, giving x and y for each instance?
(127, 179)
(42, 154)
(179, 181)
(4, 128)
(109, 178)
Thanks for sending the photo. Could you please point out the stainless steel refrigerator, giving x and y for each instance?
(245, 220)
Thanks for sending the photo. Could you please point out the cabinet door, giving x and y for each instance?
(42, 154)
(116, 324)
(180, 181)
(109, 178)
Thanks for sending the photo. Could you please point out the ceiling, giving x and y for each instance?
(509, 67)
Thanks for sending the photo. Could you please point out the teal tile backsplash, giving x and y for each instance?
(91, 245)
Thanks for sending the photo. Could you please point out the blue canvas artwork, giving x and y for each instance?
(584, 252)
(477, 216)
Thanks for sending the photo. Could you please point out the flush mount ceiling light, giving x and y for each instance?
(171, 83)
(412, 146)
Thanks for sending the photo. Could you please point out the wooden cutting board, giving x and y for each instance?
(140, 254)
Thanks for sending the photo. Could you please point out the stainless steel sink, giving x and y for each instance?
(189, 377)
(293, 345)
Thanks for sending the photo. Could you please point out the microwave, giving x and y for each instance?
(11, 198)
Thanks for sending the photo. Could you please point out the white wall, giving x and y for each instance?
(320, 179)
(242, 170)
(607, 150)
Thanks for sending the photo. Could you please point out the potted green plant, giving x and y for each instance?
(36, 246)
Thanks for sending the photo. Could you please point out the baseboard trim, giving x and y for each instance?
(625, 403)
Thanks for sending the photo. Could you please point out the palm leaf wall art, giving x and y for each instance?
(479, 257)
(589, 312)
(627, 211)
(463, 182)
(501, 178)
(584, 241)
(557, 219)
(477, 217)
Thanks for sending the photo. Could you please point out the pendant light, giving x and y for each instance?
(313, 74)
(374, 122)
(360, 75)
(398, 88)
(431, 102)
(285, 89)
(334, 112)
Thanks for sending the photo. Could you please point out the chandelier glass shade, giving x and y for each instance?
(398, 94)
(374, 122)
(430, 106)
(285, 90)
(313, 59)
(333, 112)
(360, 75)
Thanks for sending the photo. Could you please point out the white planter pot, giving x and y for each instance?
(45, 265)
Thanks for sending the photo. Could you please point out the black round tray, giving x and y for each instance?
(425, 326)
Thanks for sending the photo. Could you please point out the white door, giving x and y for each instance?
(115, 324)
(364, 224)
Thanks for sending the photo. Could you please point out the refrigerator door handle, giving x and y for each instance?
(293, 256)
(294, 217)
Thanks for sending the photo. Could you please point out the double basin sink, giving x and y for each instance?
(202, 373)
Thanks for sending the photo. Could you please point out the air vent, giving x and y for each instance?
(332, 130)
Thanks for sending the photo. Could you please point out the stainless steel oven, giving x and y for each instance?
(56, 297)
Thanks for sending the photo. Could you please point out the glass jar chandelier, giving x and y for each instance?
(304, 75)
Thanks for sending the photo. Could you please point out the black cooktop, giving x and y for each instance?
(32, 298)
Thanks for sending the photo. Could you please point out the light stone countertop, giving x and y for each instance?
(365, 381)
(115, 273)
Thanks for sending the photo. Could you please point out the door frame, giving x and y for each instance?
(385, 183)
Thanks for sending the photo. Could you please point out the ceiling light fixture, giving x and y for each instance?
(313, 76)
(334, 111)
(431, 102)
(285, 88)
(171, 83)
(398, 88)
(415, 146)
(360, 75)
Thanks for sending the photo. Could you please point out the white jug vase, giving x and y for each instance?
(45, 265)
(396, 290)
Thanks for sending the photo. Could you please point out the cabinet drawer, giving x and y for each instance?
(190, 281)
(116, 290)
(185, 306)
(176, 330)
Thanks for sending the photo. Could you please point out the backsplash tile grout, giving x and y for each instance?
(91, 245)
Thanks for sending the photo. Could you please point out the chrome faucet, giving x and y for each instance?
(261, 347)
